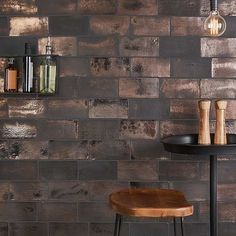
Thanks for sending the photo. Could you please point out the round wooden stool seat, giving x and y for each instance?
(150, 203)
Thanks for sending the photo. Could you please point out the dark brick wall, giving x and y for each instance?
(131, 72)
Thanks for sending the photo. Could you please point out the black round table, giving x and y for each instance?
(188, 144)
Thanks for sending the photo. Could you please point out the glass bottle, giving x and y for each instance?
(28, 70)
(10, 80)
(48, 71)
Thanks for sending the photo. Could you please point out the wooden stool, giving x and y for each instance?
(149, 203)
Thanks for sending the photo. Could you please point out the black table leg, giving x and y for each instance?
(213, 196)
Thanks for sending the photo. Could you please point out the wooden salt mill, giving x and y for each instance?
(204, 127)
(220, 131)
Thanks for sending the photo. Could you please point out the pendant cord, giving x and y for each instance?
(214, 5)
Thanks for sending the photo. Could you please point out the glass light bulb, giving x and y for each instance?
(214, 24)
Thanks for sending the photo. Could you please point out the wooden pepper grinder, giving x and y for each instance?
(204, 127)
(220, 131)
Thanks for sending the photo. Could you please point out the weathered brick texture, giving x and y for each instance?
(129, 73)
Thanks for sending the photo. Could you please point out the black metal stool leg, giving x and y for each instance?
(174, 226)
(118, 223)
(182, 226)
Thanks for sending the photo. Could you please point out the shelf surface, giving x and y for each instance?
(188, 144)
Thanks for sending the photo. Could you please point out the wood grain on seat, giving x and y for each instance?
(150, 203)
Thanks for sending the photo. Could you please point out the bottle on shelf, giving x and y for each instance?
(28, 70)
(48, 71)
(10, 79)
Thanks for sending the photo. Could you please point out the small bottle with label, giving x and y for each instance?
(10, 80)
(48, 71)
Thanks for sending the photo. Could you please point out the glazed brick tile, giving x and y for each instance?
(106, 229)
(100, 108)
(193, 190)
(137, 7)
(179, 170)
(98, 129)
(226, 173)
(185, 7)
(22, 108)
(106, 25)
(68, 88)
(29, 149)
(100, 190)
(73, 66)
(178, 127)
(148, 109)
(67, 109)
(110, 67)
(3, 108)
(28, 191)
(150, 67)
(56, 229)
(180, 88)
(230, 22)
(191, 68)
(18, 7)
(230, 111)
(68, 191)
(220, 47)
(223, 67)
(132, 129)
(97, 170)
(137, 170)
(57, 170)
(53, 211)
(154, 26)
(15, 45)
(59, 7)
(109, 150)
(4, 27)
(218, 88)
(227, 192)
(62, 46)
(58, 129)
(148, 150)
(97, 46)
(95, 212)
(97, 7)
(141, 46)
(183, 109)
(197, 229)
(227, 8)
(139, 229)
(3, 229)
(24, 211)
(186, 26)
(4, 150)
(29, 229)
(68, 150)
(4, 193)
(98, 88)
(227, 211)
(68, 25)
(227, 228)
(18, 170)
(20, 26)
(179, 47)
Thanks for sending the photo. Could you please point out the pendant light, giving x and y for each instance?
(214, 24)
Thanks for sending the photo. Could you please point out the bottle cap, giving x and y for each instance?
(49, 47)
(11, 60)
